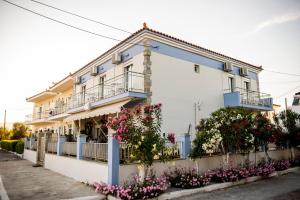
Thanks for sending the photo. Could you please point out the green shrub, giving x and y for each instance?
(9, 145)
(20, 147)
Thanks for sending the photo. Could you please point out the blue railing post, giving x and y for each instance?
(60, 144)
(113, 160)
(185, 146)
(81, 139)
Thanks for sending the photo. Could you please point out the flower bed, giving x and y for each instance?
(150, 187)
(185, 178)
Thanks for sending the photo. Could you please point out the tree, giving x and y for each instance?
(4, 135)
(290, 119)
(19, 131)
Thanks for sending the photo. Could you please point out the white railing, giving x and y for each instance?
(69, 148)
(127, 82)
(52, 147)
(95, 151)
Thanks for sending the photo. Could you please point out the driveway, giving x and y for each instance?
(286, 187)
(24, 182)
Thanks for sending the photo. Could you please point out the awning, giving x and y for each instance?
(112, 108)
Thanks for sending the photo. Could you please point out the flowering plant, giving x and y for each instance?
(282, 165)
(171, 137)
(187, 178)
(140, 128)
(150, 187)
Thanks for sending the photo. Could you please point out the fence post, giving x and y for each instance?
(81, 139)
(60, 144)
(113, 160)
(185, 146)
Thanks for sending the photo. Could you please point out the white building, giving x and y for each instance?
(149, 66)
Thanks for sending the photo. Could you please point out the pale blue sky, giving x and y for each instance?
(34, 51)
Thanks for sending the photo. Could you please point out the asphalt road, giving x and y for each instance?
(285, 187)
(21, 181)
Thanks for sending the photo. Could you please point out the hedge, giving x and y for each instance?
(10, 145)
(20, 147)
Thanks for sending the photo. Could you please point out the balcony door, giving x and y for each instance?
(101, 87)
(247, 92)
(83, 93)
(127, 78)
(231, 84)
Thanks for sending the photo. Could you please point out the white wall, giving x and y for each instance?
(81, 170)
(203, 164)
(30, 155)
(176, 85)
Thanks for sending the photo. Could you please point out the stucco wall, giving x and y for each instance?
(81, 170)
(178, 87)
(203, 164)
(30, 155)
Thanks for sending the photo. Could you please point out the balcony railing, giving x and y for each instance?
(37, 116)
(127, 82)
(240, 97)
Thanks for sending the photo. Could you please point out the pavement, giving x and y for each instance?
(21, 181)
(285, 187)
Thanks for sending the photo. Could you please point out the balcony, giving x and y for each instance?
(37, 117)
(248, 99)
(122, 87)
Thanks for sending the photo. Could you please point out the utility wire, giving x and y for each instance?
(75, 27)
(282, 73)
(82, 17)
(288, 92)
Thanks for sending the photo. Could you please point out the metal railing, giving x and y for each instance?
(254, 98)
(125, 152)
(95, 151)
(30, 146)
(43, 115)
(52, 147)
(69, 148)
(58, 110)
(127, 82)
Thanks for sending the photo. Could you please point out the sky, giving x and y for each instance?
(35, 51)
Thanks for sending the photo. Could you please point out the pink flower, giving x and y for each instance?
(171, 137)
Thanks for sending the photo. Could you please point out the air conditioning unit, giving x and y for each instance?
(244, 71)
(116, 58)
(227, 67)
(94, 70)
(77, 80)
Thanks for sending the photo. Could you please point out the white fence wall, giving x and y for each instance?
(30, 155)
(204, 164)
(81, 170)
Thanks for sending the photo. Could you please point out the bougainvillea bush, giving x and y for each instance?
(148, 188)
(187, 178)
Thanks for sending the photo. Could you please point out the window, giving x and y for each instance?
(197, 69)
(231, 84)
(247, 86)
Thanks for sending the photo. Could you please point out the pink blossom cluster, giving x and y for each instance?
(187, 178)
(150, 187)
(234, 174)
(171, 137)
